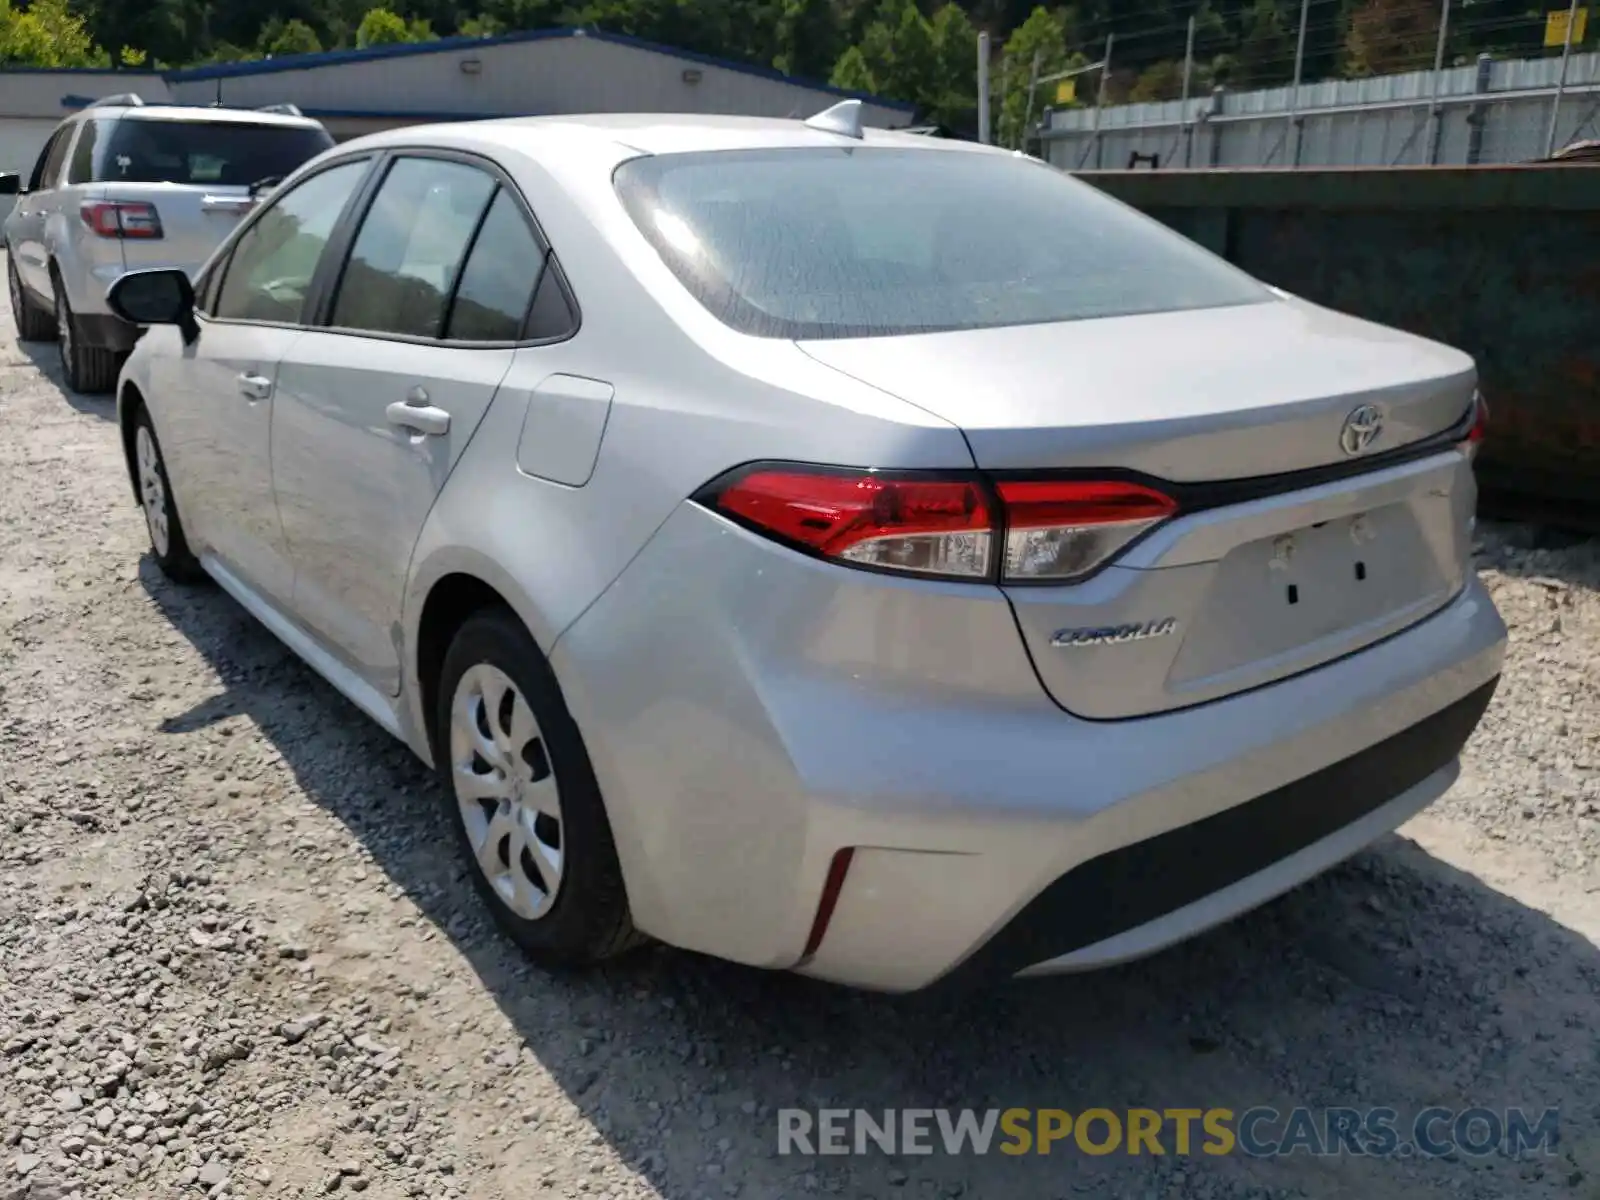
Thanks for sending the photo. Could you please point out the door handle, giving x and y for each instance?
(423, 418)
(257, 387)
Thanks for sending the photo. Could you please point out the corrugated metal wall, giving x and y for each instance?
(535, 77)
(1252, 129)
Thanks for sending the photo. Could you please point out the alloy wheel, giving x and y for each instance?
(507, 794)
(152, 491)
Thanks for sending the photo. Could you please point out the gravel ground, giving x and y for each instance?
(239, 958)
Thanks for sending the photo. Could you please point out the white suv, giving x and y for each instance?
(125, 185)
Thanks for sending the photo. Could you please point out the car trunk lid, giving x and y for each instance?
(1289, 549)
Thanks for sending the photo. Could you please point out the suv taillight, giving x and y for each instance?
(121, 218)
(946, 525)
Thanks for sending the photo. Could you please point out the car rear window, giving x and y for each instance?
(221, 153)
(862, 242)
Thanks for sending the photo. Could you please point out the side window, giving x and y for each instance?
(81, 169)
(500, 277)
(410, 247)
(552, 315)
(274, 261)
(36, 180)
(57, 157)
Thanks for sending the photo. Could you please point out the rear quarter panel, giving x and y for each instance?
(691, 400)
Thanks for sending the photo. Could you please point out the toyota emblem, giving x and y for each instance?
(1361, 428)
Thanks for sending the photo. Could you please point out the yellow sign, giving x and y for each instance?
(1555, 27)
(1067, 91)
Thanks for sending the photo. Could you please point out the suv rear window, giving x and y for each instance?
(862, 242)
(220, 153)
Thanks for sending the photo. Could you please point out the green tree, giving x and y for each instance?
(293, 36)
(1266, 51)
(808, 37)
(47, 34)
(482, 25)
(135, 30)
(1044, 34)
(380, 27)
(1387, 36)
(852, 73)
(954, 100)
(1159, 81)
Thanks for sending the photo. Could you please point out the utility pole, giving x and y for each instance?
(1188, 78)
(1436, 115)
(1100, 97)
(1561, 82)
(1296, 122)
(983, 88)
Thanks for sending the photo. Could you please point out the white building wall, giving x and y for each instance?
(567, 74)
(33, 103)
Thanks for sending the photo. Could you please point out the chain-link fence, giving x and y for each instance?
(1315, 100)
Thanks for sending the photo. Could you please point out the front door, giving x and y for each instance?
(220, 397)
(376, 409)
(28, 222)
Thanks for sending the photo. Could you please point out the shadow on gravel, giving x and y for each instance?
(46, 357)
(1394, 981)
(1539, 552)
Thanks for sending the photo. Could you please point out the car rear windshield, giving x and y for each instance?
(220, 153)
(862, 242)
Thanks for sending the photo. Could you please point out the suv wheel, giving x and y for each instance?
(86, 369)
(523, 800)
(33, 324)
(168, 546)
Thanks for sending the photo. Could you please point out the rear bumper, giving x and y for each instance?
(1141, 897)
(750, 713)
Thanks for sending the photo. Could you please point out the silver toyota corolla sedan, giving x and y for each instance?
(882, 558)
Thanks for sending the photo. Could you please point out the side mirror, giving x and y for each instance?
(10, 183)
(158, 297)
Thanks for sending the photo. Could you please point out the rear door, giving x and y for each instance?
(375, 409)
(196, 176)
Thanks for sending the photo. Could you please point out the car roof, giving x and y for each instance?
(656, 133)
(194, 113)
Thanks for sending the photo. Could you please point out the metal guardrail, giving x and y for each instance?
(1503, 262)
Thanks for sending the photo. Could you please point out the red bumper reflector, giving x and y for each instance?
(831, 887)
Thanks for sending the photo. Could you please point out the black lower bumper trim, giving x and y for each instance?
(1133, 885)
(107, 332)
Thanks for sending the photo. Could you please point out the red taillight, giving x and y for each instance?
(944, 525)
(928, 526)
(1063, 529)
(121, 218)
(1480, 425)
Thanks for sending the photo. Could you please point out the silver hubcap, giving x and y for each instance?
(506, 791)
(152, 492)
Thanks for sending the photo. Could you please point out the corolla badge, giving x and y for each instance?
(1114, 635)
(1361, 428)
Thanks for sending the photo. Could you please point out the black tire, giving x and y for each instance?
(33, 323)
(171, 552)
(588, 919)
(88, 370)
